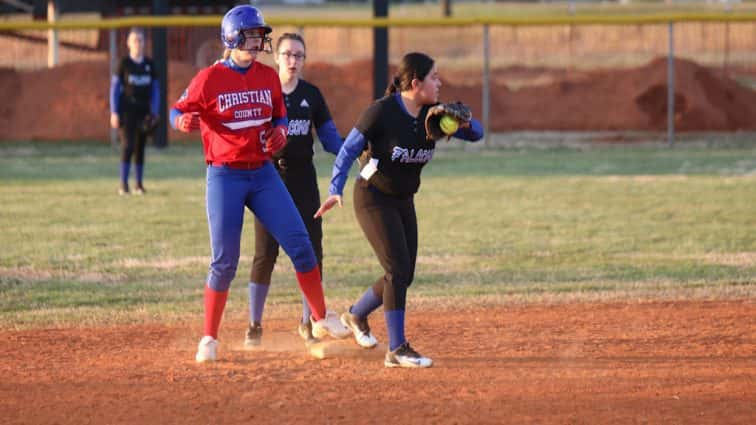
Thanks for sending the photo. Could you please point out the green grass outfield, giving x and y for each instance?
(495, 226)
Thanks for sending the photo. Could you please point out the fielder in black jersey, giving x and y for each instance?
(390, 139)
(307, 110)
(134, 104)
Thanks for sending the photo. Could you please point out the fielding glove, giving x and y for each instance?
(457, 111)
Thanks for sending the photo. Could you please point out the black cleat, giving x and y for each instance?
(405, 356)
(254, 336)
(305, 331)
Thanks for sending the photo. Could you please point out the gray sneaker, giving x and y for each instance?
(405, 356)
(305, 331)
(254, 335)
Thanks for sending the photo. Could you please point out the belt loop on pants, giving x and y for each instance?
(238, 165)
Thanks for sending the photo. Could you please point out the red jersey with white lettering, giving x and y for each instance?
(235, 109)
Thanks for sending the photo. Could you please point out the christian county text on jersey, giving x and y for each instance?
(235, 109)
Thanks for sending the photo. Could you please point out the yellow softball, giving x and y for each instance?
(448, 125)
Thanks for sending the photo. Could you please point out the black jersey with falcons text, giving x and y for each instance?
(136, 84)
(307, 110)
(398, 141)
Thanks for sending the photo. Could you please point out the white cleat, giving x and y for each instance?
(207, 351)
(360, 329)
(329, 325)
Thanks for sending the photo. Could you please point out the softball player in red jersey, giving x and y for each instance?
(238, 107)
(307, 111)
(390, 139)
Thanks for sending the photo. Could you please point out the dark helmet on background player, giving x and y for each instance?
(237, 21)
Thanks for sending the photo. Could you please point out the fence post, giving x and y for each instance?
(52, 35)
(486, 84)
(380, 50)
(727, 48)
(671, 86)
(160, 57)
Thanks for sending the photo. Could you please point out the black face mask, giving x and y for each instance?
(254, 41)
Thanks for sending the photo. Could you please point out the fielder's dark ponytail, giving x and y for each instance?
(393, 87)
(414, 66)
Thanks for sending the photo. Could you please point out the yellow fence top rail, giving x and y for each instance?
(210, 21)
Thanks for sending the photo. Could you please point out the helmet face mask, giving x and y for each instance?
(255, 40)
(244, 28)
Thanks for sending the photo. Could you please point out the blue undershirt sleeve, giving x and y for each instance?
(283, 121)
(173, 115)
(115, 93)
(472, 133)
(329, 137)
(155, 98)
(350, 150)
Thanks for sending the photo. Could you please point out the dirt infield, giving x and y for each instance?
(661, 362)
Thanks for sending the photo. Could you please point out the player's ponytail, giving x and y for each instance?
(393, 87)
(414, 65)
(226, 54)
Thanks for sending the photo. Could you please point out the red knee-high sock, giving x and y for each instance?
(215, 302)
(312, 289)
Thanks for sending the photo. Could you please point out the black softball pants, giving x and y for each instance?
(301, 181)
(133, 137)
(390, 225)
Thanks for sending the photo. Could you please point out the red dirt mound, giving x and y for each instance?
(71, 102)
(9, 87)
(634, 99)
(612, 100)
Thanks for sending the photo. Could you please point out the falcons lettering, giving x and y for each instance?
(299, 127)
(411, 156)
(140, 80)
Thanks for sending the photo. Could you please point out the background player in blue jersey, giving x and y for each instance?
(306, 109)
(134, 104)
(393, 145)
(238, 106)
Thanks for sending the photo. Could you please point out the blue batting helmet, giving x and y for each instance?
(237, 20)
